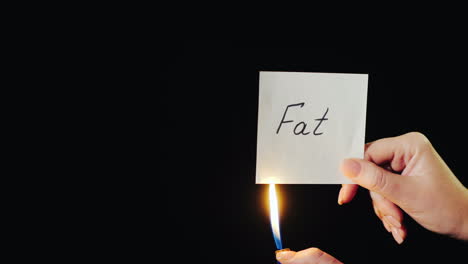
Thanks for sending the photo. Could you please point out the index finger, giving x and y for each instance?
(391, 150)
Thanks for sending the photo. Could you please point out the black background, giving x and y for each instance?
(214, 211)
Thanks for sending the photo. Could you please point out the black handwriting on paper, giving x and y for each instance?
(300, 128)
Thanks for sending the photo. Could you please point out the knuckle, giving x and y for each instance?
(316, 255)
(316, 250)
(378, 181)
(335, 261)
(313, 254)
(415, 134)
(319, 254)
(418, 137)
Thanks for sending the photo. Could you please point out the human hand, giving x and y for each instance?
(405, 172)
(306, 256)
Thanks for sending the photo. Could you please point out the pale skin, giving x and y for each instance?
(306, 256)
(402, 173)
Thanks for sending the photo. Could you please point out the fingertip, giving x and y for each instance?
(347, 193)
(398, 235)
(350, 167)
(340, 202)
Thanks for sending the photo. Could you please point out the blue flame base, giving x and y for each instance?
(278, 243)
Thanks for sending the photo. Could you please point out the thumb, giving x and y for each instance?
(375, 178)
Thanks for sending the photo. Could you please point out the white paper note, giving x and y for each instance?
(307, 124)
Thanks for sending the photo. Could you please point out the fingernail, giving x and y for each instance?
(340, 202)
(397, 236)
(351, 168)
(392, 220)
(386, 225)
(284, 255)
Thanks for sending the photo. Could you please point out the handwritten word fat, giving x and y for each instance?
(301, 127)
